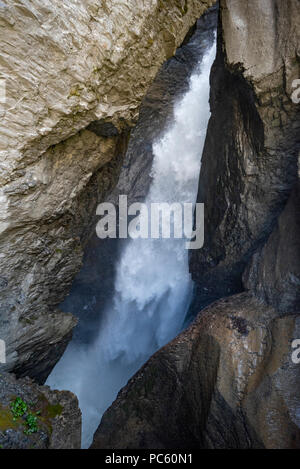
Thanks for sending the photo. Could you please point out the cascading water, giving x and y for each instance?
(153, 287)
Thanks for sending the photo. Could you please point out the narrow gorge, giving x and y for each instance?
(139, 343)
(152, 287)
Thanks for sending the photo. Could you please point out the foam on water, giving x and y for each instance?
(153, 287)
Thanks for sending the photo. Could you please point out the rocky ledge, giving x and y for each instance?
(33, 417)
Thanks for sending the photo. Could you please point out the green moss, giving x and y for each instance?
(28, 321)
(7, 420)
(48, 411)
(17, 415)
(53, 410)
(31, 424)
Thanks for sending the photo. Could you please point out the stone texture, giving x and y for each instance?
(51, 210)
(273, 274)
(249, 165)
(59, 417)
(78, 62)
(75, 73)
(227, 382)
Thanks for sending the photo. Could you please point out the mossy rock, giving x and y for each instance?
(48, 411)
(7, 421)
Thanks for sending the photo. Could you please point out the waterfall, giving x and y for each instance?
(153, 287)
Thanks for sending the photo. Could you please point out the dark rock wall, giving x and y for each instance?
(250, 157)
(227, 382)
(273, 274)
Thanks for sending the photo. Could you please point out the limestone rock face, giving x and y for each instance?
(227, 382)
(75, 73)
(70, 63)
(249, 165)
(58, 416)
(50, 211)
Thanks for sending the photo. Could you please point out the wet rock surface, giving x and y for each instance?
(249, 165)
(228, 382)
(58, 416)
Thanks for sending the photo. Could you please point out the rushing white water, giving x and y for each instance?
(153, 287)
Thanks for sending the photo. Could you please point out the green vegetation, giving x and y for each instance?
(150, 42)
(6, 419)
(75, 91)
(29, 417)
(18, 408)
(31, 423)
(48, 411)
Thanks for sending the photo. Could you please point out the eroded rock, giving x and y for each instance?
(80, 62)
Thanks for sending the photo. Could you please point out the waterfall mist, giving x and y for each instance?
(153, 287)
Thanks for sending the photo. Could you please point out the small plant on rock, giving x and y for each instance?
(31, 423)
(18, 408)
